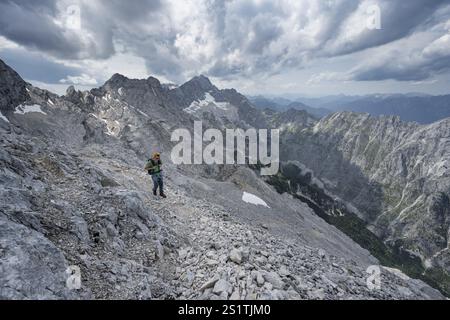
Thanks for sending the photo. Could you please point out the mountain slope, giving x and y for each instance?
(395, 174)
(72, 185)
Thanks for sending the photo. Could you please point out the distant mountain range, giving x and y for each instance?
(421, 108)
(282, 104)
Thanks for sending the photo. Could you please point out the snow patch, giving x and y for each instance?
(3, 118)
(171, 86)
(107, 97)
(251, 198)
(50, 102)
(109, 131)
(23, 109)
(112, 127)
(120, 91)
(207, 101)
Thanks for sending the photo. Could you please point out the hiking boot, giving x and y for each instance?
(163, 195)
(154, 192)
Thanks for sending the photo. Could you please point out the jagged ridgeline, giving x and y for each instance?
(78, 219)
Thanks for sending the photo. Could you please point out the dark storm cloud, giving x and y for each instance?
(44, 6)
(29, 23)
(254, 28)
(398, 19)
(393, 72)
(414, 58)
(129, 11)
(32, 24)
(264, 32)
(408, 65)
(233, 38)
(109, 20)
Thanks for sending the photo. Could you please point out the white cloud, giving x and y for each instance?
(83, 79)
(7, 44)
(425, 82)
(417, 57)
(438, 48)
(125, 63)
(327, 77)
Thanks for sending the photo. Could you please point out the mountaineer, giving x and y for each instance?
(153, 167)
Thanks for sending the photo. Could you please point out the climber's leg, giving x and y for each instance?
(155, 183)
(161, 186)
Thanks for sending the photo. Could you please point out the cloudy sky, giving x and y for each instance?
(303, 47)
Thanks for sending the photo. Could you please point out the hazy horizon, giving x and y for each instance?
(60, 89)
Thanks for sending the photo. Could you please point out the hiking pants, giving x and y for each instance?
(158, 182)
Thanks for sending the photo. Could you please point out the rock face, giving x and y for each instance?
(73, 194)
(291, 119)
(12, 88)
(32, 266)
(195, 89)
(200, 98)
(395, 173)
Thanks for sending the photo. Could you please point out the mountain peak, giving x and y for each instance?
(154, 82)
(70, 91)
(201, 77)
(117, 78)
(202, 82)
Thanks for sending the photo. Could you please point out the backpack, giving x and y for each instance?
(154, 166)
